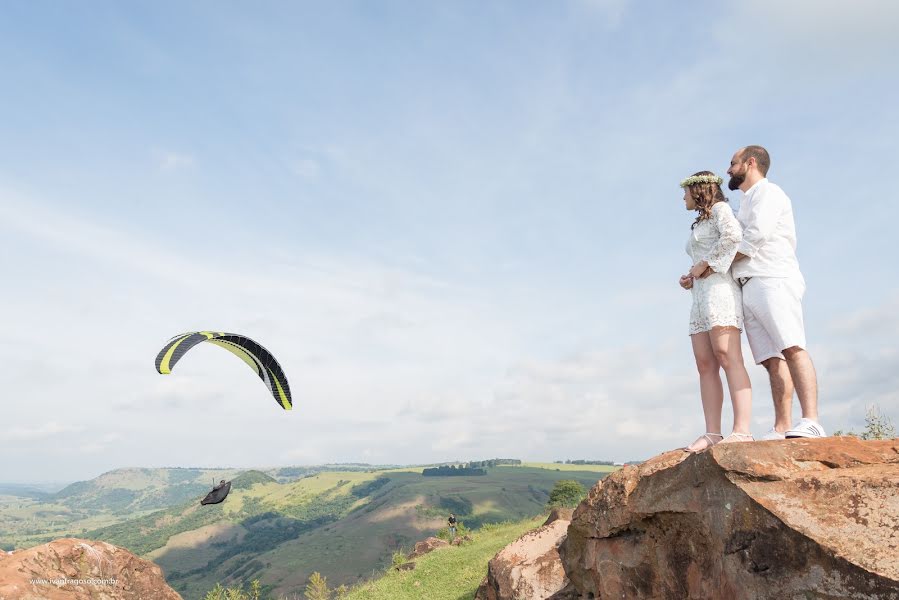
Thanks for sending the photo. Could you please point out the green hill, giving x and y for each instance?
(27, 519)
(345, 525)
(127, 491)
(29, 516)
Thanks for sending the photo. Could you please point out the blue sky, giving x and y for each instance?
(457, 225)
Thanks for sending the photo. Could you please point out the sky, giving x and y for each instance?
(457, 225)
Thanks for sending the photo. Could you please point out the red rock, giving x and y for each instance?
(807, 518)
(425, 546)
(559, 513)
(528, 568)
(78, 569)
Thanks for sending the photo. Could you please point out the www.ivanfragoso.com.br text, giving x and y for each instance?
(62, 581)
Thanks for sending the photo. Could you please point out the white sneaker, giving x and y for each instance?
(773, 434)
(806, 429)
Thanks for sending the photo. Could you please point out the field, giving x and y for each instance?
(345, 525)
(564, 467)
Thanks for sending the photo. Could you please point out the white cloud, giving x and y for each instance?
(386, 365)
(99, 444)
(173, 161)
(306, 168)
(358, 339)
(37, 432)
(869, 322)
(824, 37)
(612, 11)
(552, 166)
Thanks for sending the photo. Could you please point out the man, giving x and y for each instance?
(452, 526)
(768, 270)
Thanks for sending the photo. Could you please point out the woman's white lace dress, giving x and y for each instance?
(717, 299)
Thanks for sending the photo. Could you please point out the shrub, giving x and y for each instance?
(399, 557)
(317, 588)
(877, 426)
(235, 593)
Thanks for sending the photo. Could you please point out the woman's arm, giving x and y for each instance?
(730, 235)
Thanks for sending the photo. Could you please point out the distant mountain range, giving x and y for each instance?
(30, 490)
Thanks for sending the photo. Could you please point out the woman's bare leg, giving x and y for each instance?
(726, 344)
(710, 388)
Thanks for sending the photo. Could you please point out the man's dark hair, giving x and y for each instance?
(761, 158)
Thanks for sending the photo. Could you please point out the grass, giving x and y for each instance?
(202, 546)
(451, 573)
(278, 495)
(360, 544)
(564, 467)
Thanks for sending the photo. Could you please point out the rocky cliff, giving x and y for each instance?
(80, 569)
(782, 519)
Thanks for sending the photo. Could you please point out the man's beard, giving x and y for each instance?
(736, 181)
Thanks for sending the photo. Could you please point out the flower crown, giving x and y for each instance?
(694, 179)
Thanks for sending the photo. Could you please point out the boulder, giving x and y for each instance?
(527, 569)
(803, 518)
(78, 569)
(425, 546)
(559, 513)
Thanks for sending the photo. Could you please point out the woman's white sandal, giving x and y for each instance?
(709, 441)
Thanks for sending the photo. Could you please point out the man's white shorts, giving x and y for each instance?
(772, 312)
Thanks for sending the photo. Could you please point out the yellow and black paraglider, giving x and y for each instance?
(258, 358)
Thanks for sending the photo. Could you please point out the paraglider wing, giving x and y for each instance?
(218, 494)
(254, 355)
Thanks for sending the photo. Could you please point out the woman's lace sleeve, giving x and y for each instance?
(722, 253)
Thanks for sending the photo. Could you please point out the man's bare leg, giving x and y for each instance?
(802, 371)
(779, 375)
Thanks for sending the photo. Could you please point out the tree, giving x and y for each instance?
(317, 588)
(566, 493)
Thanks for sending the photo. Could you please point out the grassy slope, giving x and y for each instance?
(361, 544)
(238, 540)
(193, 560)
(451, 573)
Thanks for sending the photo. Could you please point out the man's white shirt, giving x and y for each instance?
(769, 233)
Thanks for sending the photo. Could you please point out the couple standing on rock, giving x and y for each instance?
(745, 273)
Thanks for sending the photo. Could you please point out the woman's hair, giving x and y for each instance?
(705, 195)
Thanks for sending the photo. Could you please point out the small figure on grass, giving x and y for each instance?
(452, 526)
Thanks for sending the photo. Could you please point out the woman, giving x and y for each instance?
(716, 318)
